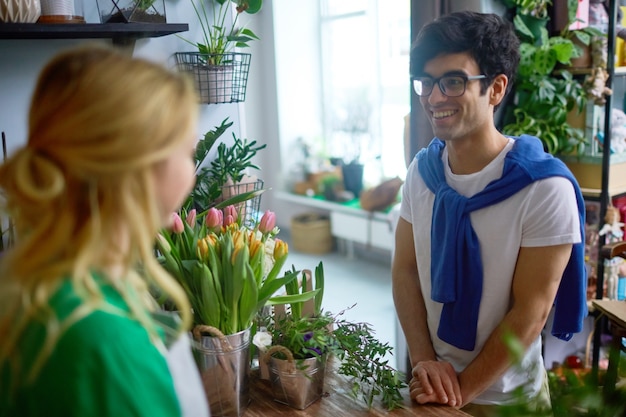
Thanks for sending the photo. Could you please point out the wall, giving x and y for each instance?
(285, 81)
(21, 61)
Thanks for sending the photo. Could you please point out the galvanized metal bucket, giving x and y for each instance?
(299, 385)
(224, 364)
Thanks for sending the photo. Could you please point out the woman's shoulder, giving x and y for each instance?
(88, 319)
(103, 355)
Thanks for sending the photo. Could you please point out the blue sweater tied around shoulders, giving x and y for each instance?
(456, 268)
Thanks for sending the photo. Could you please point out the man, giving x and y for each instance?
(490, 233)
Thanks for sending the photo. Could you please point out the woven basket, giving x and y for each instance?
(310, 233)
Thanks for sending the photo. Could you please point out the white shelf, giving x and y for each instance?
(350, 224)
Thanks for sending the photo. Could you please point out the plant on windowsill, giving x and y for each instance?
(544, 97)
(295, 344)
(221, 73)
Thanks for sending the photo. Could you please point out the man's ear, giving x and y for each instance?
(498, 89)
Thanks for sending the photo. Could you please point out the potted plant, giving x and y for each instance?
(229, 272)
(543, 96)
(295, 345)
(227, 174)
(221, 73)
(126, 11)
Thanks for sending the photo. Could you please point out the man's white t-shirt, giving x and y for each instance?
(544, 213)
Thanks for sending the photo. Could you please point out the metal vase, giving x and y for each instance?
(297, 385)
(224, 364)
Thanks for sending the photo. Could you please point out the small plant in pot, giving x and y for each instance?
(221, 73)
(227, 174)
(219, 37)
(127, 11)
(296, 343)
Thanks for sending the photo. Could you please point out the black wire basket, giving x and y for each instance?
(219, 78)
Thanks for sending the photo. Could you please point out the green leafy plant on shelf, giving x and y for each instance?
(316, 333)
(218, 36)
(545, 94)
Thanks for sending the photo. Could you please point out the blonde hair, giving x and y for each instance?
(99, 123)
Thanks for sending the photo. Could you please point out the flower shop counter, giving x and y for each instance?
(336, 401)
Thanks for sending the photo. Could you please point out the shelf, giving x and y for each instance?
(331, 206)
(119, 32)
(588, 172)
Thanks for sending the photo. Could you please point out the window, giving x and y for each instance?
(343, 81)
(365, 82)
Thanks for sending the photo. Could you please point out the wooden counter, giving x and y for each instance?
(336, 402)
(616, 313)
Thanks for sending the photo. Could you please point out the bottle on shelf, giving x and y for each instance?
(61, 11)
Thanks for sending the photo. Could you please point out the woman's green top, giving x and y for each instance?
(105, 364)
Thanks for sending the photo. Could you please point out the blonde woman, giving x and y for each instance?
(108, 158)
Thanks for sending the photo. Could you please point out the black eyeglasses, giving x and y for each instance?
(450, 85)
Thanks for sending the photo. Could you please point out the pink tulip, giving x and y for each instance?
(268, 221)
(177, 224)
(214, 219)
(228, 220)
(231, 211)
(191, 218)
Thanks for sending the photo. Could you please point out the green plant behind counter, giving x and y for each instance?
(544, 96)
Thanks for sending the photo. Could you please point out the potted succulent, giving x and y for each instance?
(296, 343)
(227, 174)
(221, 73)
(126, 11)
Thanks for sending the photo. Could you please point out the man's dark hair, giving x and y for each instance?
(488, 38)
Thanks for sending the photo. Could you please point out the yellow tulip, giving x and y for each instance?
(281, 249)
(203, 248)
(256, 246)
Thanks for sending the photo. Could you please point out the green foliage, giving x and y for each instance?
(362, 359)
(144, 4)
(219, 38)
(361, 355)
(544, 96)
(230, 163)
(535, 8)
(573, 392)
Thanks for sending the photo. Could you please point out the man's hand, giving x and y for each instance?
(435, 382)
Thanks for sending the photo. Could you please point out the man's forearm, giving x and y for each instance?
(495, 357)
(412, 315)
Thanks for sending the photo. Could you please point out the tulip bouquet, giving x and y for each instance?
(228, 268)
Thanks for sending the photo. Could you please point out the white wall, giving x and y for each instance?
(21, 61)
(285, 80)
(290, 89)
